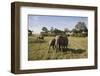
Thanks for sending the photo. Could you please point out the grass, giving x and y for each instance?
(38, 49)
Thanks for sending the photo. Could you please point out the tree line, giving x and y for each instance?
(79, 30)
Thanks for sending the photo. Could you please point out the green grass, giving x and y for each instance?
(38, 49)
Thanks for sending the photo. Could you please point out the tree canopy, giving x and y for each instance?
(44, 29)
(80, 27)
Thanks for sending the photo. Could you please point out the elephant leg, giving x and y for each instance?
(52, 47)
(55, 47)
(61, 48)
(49, 48)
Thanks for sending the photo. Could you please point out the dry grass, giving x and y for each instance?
(38, 49)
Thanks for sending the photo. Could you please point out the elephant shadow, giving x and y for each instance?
(75, 51)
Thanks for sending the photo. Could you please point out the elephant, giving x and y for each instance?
(52, 43)
(61, 42)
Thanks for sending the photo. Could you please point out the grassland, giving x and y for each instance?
(38, 49)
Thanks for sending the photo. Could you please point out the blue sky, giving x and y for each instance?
(36, 22)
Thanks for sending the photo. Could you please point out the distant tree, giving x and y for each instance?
(81, 27)
(57, 31)
(66, 30)
(74, 30)
(44, 29)
(29, 32)
(52, 30)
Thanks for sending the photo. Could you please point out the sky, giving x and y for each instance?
(36, 22)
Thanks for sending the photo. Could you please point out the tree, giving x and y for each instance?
(74, 31)
(66, 30)
(52, 30)
(57, 31)
(44, 29)
(29, 32)
(81, 27)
